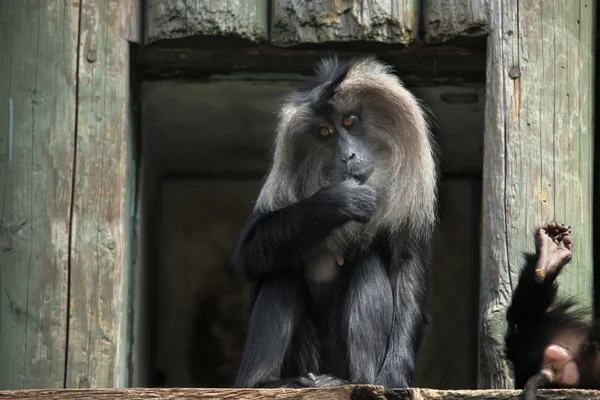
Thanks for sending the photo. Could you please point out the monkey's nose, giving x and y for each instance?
(346, 159)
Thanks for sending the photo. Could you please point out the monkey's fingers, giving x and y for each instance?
(560, 237)
(562, 228)
(568, 242)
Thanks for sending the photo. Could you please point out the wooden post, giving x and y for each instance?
(37, 125)
(538, 160)
(65, 149)
(168, 19)
(102, 217)
(295, 22)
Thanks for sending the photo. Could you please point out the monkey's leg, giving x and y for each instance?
(277, 310)
(302, 357)
(275, 242)
(408, 280)
(368, 313)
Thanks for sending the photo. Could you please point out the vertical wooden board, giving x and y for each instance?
(538, 161)
(100, 264)
(38, 43)
(173, 19)
(386, 21)
(444, 20)
(574, 138)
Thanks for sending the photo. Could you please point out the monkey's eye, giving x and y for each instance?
(325, 131)
(349, 120)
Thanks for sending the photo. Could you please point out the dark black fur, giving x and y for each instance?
(365, 326)
(319, 90)
(535, 311)
(373, 326)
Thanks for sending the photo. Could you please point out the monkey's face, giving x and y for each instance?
(355, 120)
(336, 145)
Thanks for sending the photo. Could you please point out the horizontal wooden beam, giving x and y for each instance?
(290, 22)
(432, 394)
(354, 392)
(335, 393)
(295, 22)
(466, 64)
(444, 20)
(167, 19)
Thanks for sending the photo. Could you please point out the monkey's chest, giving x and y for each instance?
(323, 267)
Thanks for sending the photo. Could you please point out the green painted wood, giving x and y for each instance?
(538, 160)
(50, 131)
(38, 43)
(101, 262)
(167, 19)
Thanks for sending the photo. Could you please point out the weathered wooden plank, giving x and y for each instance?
(537, 156)
(430, 394)
(336, 393)
(449, 19)
(358, 392)
(386, 21)
(168, 19)
(38, 43)
(100, 263)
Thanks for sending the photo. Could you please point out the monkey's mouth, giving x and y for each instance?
(359, 176)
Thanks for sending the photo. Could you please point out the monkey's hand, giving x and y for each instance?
(358, 200)
(552, 257)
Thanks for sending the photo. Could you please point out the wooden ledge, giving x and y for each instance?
(350, 392)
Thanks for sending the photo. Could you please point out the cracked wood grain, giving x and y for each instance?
(64, 136)
(100, 234)
(448, 19)
(38, 43)
(320, 21)
(167, 19)
(353, 392)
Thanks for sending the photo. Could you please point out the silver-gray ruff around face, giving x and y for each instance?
(391, 124)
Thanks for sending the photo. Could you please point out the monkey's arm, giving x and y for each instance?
(531, 299)
(274, 241)
(528, 326)
(409, 280)
(536, 289)
(537, 318)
